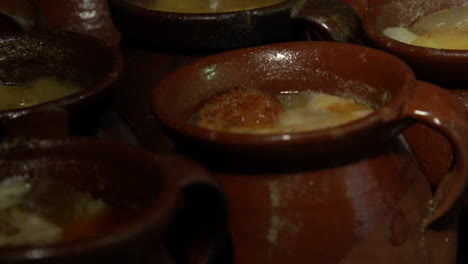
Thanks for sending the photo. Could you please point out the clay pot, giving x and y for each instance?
(91, 17)
(289, 20)
(160, 204)
(443, 66)
(346, 194)
(25, 56)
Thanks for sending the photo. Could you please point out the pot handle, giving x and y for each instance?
(68, 16)
(199, 232)
(442, 111)
(329, 20)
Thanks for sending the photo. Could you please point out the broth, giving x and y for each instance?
(205, 6)
(445, 29)
(36, 211)
(302, 111)
(35, 92)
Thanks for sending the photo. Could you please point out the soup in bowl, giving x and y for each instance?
(54, 72)
(428, 35)
(252, 111)
(444, 29)
(229, 102)
(202, 6)
(210, 26)
(83, 200)
(289, 183)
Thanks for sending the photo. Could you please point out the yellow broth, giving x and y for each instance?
(38, 91)
(445, 29)
(302, 111)
(206, 6)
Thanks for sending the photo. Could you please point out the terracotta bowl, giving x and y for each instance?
(446, 67)
(84, 60)
(144, 193)
(289, 20)
(277, 182)
(276, 68)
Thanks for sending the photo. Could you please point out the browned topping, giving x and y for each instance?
(240, 107)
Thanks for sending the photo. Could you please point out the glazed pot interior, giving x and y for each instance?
(203, 32)
(336, 69)
(25, 56)
(352, 71)
(206, 6)
(442, 66)
(404, 13)
(83, 61)
(132, 182)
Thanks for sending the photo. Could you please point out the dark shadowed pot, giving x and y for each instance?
(347, 194)
(18, 15)
(165, 204)
(289, 20)
(359, 5)
(81, 59)
(90, 17)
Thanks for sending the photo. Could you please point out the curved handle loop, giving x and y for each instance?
(330, 20)
(199, 233)
(442, 111)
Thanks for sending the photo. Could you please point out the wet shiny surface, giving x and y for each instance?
(84, 16)
(136, 124)
(270, 226)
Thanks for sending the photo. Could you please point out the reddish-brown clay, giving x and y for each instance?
(347, 194)
(90, 17)
(292, 19)
(446, 67)
(441, 66)
(359, 5)
(158, 195)
(432, 150)
(79, 58)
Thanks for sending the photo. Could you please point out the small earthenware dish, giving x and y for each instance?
(443, 66)
(98, 201)
(77, 59)
(349, 193)
(280, 21)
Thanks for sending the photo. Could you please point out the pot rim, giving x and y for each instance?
(384, 116)
(166, 15)
(103, 83)
(375, 34)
